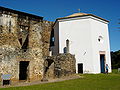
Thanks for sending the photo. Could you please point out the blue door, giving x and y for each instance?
(102, 63)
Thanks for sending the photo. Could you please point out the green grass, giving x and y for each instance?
(88, 82)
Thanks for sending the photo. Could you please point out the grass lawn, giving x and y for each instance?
(89, 82)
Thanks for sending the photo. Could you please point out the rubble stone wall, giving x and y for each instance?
(60, 65)
(23, 38)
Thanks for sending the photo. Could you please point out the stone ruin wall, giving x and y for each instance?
(60, 65)
(24, 38)
(17, 30)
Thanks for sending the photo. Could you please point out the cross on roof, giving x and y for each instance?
(79, 10)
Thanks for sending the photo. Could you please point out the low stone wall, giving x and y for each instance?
(60, 65)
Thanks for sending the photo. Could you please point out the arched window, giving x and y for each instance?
(9, 26)
(52, 38)
(67, 45)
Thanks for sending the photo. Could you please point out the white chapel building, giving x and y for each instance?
(86, 36)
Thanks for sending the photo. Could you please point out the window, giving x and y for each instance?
(52, 38)
(9, 26)
(100, 39)
(1, 31)
(67, 45)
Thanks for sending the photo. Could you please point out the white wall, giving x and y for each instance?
(100, 29)
(83, 33)
(78, 33)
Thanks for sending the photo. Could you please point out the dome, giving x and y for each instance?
(77, 14)
(81, 15)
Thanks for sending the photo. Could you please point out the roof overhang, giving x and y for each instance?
(82, 17)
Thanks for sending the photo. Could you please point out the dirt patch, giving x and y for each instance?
(75, 76)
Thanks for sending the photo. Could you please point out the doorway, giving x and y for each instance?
(6, 82)
(102, 63)
(80, 67)
(23, 70)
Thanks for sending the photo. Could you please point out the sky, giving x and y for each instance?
(52, 9)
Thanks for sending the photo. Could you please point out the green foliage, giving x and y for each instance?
(115, 71)
(86, 82)
(115, 59)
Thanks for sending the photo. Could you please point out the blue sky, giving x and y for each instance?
(52, 9)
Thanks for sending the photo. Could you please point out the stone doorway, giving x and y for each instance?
(23, 70)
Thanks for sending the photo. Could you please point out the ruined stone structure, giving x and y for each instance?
(24, 47)
(59, 65)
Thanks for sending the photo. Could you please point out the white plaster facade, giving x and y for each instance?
(88, 38)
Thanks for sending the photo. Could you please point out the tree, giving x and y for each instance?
(115, 59)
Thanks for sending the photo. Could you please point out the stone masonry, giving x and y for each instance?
(60, 65)
(24, 46)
